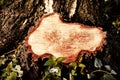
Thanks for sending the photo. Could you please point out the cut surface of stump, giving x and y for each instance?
(52, 36)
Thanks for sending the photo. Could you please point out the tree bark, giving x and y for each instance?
(16, 19)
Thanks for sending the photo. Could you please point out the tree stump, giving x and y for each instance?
(20, 15)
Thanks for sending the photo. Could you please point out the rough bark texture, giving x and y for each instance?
(16, 19)
(20, 15)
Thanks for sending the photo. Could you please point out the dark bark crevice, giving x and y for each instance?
(90, 12)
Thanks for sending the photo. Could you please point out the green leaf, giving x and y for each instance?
(4, 74)
(50, 61)
(2, 62)
(73, 72)
(12, 76)
(60, 59)
(81, 65)
(73, 64)
(71, 77)
(9, 67)
(18, 70)
(108, 77)
(80, 58)
(47, 75)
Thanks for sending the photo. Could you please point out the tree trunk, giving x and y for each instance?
(20, 15)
